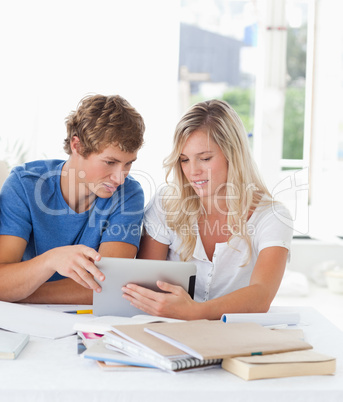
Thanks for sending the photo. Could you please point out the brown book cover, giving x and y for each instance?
(135, 333)
(288, 364)
(205, 339)
(132, 339)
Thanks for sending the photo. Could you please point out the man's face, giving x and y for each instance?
(102, 173)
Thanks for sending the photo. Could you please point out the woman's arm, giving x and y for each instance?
(255, 298)
(150, 249)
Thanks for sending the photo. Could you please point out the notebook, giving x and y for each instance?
(101, 351)
(11, 344)
(121, 271)
(133, 339)
(205, 339)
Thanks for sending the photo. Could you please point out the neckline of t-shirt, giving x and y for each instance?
(63, 201)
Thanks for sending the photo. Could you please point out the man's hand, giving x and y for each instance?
(76, 262)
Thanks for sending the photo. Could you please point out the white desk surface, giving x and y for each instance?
(50, 371)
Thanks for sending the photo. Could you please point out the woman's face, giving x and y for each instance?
(204, 165)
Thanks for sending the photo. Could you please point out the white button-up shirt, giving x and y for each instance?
(269, 226)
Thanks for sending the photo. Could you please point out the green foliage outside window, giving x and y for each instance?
(243, 101)
(293, 130)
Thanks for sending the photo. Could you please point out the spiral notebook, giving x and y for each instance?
(133, 340)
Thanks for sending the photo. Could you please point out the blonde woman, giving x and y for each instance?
(217, 213)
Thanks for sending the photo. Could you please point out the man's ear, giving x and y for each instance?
(75, 145)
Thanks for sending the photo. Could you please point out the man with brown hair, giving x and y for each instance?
(59, 217)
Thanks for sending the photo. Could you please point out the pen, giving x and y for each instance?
(79, 312)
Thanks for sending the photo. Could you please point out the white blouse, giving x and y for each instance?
(268, 227)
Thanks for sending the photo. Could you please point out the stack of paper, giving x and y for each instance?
(184, 345)
(102, 349)
(136, 341)
(130, 345)
(246, 349)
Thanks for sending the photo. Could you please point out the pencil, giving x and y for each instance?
(80, 312)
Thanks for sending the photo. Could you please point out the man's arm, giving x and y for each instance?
(67, 291)
(19, 280)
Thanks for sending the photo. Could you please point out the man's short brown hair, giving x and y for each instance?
(100, 121)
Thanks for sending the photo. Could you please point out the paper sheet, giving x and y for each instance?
(39, 322)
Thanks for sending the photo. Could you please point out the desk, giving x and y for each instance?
(50, 371)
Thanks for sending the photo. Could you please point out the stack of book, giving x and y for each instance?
(248, 350)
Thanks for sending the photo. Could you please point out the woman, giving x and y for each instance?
(218, 214)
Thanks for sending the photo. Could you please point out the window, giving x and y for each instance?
(217, 56)
(246, 52)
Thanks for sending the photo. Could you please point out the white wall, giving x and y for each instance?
(308, 255)
(326, 214)
(55, 52)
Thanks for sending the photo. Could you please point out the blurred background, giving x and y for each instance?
(279, 63)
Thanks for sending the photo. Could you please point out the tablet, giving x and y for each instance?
(121, 271)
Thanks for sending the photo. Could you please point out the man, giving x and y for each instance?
(57, 218)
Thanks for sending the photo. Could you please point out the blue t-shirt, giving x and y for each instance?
(32, 207)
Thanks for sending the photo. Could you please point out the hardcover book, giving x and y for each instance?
(11, 344)
(289, 364)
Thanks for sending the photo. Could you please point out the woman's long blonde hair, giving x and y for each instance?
(244, 188)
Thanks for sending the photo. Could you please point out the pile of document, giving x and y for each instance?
(178, 346)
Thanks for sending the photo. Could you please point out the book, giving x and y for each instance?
(85, 340)
(133, 340)
(289, 364)
(101, 351)
(263, 318)
(205, 339)
(110, 366)
(88, 338)
(11, 344)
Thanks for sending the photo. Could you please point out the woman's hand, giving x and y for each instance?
(177, 303)
(76, 262)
